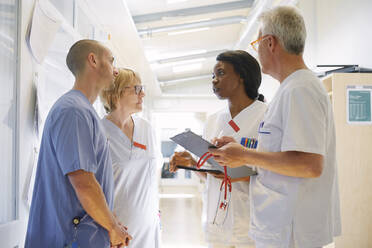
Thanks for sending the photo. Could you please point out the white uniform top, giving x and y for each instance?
(299, 118)
(236, 226)
(136, 191)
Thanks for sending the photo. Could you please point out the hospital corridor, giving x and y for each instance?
(182, 210)
(185, 123)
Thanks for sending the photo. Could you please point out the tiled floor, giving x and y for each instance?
(181, 218)
(330, 246)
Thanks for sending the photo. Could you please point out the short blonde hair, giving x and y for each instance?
(111, 95)
(288, 25)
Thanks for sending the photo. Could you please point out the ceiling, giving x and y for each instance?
(173, 44)
(181, 38)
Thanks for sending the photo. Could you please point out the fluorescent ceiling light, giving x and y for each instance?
(187, 61)
(181, 54)
(198, 20)
(188, 31)
(156, 66)
(188, 67)
(153, 55)
(175, 1)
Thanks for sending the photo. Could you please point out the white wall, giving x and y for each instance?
(338, 31)
(118, 21)
(26, 114)
(27, 139)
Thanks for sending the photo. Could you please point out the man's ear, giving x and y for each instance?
(92, 60)
(272, 42)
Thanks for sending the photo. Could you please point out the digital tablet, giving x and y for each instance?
(199, 146)
(216, 172)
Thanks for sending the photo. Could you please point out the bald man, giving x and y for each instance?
(73, 193)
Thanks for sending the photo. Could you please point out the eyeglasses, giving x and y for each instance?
(255, 43)
(138, 89)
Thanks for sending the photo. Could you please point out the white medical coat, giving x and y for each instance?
(136, 190)
(299, 118)
(235, 228)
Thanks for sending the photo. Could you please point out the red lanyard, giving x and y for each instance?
(226, 180)
(203, 159)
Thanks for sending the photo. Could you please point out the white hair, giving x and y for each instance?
(287, 24)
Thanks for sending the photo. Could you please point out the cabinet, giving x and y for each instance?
(354, 159)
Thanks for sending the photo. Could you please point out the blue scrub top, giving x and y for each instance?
(73, 139)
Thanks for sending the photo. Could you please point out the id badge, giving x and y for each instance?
(73, 245)
(222, 208)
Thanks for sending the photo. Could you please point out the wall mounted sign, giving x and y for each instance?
(358, 104)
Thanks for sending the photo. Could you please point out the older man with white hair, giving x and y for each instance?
(294, 197)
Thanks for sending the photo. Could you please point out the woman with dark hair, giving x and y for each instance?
(236, 78)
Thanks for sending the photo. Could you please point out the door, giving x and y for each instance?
(9, 221)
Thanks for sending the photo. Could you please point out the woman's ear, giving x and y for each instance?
(241, 80)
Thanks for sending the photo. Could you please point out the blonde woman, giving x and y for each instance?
(134, 159)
